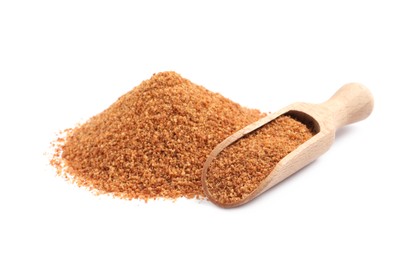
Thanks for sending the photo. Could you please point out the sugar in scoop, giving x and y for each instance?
(238, 170)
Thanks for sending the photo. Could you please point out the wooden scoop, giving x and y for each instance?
(351, 103)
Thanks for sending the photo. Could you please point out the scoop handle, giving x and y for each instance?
(351, 103)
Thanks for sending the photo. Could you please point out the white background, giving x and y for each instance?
(62, 62)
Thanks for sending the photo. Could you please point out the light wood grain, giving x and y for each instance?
(351, 103)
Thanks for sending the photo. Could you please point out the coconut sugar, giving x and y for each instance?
(238, 170)
(153, 141)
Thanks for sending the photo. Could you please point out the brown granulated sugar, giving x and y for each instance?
(152, 142)
(238, 170)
